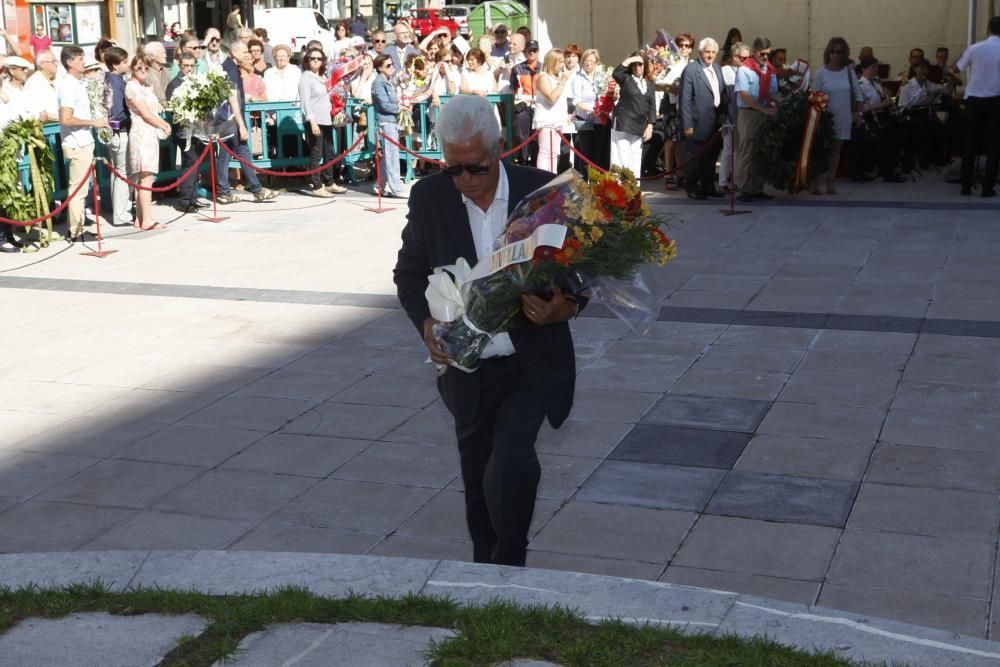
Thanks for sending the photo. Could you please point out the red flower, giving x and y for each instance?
(661, 237)
(612, 193)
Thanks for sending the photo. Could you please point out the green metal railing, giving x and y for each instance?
(282, 144)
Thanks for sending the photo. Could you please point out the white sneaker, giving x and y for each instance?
(336, 189)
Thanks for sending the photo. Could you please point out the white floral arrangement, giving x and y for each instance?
(198, 98)
(99, 96)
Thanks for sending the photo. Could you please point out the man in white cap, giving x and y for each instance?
(12, 91)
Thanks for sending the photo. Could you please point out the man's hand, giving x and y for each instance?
(647, 134)
(314, 128)
(541, 312)
(243, 132)
(688, 131)
(438, 355)
(771, 111)
(101, 122)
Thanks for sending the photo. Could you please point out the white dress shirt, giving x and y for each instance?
(984, 59)
(486, 226)
(912, 94)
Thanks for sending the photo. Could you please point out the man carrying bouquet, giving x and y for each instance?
(526, 374)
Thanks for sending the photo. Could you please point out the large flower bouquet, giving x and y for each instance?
(199, 105)
(779, 142)
(99, 96)
(587, 238)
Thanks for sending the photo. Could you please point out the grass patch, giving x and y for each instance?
(486, 635)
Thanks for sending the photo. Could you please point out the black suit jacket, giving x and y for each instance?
(437, 233)
(635, 109)
(696, 102)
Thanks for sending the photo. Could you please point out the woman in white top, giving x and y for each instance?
(477, 80)
(342, 32)
(591, 138)
(551, 109)
(361, 87)
(839, 82)
(282, 80)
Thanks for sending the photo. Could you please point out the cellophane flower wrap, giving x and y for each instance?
(200, 105)
(592, 239)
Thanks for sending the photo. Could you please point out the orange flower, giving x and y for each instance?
(611, 193)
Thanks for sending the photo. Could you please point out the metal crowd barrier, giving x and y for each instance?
(282, 143)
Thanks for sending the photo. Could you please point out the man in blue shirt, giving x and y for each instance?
(756, 83)
(238, 143)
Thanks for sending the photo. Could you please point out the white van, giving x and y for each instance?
(295, 26)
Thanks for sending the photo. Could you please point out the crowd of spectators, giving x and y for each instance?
(664, 122)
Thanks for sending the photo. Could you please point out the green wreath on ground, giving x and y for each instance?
(25, 135)
(779, 141)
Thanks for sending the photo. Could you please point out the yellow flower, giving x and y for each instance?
(596, 233)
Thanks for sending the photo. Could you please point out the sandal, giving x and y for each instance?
(671, 183)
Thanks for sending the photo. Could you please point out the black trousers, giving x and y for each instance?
(700, 172)
(596, 145)
(500, 468)
(522, 130)
(320, 150)
(187, 190)
(982, 135)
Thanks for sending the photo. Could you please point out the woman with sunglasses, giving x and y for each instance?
(634, 114)
(385, 102)
(316, 110)
(144, 139)
(839, 82)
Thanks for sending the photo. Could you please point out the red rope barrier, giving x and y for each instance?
(522, 144)
(161, 188)
(403, 148)
(59, 209)
(309, 172)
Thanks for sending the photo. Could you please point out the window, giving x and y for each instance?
(320, 21)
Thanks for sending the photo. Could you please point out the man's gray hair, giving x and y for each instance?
(152, 48)
(237, 46)
(761, 43)
(707, 41)
(464, 117)
(740, 47)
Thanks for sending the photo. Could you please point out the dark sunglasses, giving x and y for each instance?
(473, 169)
(499, 32)
(837, 52)
(378, 41)
(319, 58)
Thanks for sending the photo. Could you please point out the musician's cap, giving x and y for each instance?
(867, 62)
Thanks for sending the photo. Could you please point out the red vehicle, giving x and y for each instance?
(425, 21)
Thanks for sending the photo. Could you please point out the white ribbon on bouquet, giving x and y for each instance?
(444, 286)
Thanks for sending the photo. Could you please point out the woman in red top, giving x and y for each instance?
(40, 41)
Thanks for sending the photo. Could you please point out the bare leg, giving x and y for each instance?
(144, 201)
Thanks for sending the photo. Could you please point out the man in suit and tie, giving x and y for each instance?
(527, 374)
(701, 100)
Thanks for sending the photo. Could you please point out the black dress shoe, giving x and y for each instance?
(988, 193)
(745, 198)
(190, 208)
(715, 193)
(764, 196)
(692, 194)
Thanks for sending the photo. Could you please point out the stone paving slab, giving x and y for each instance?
(321, 645)
(95, 640)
